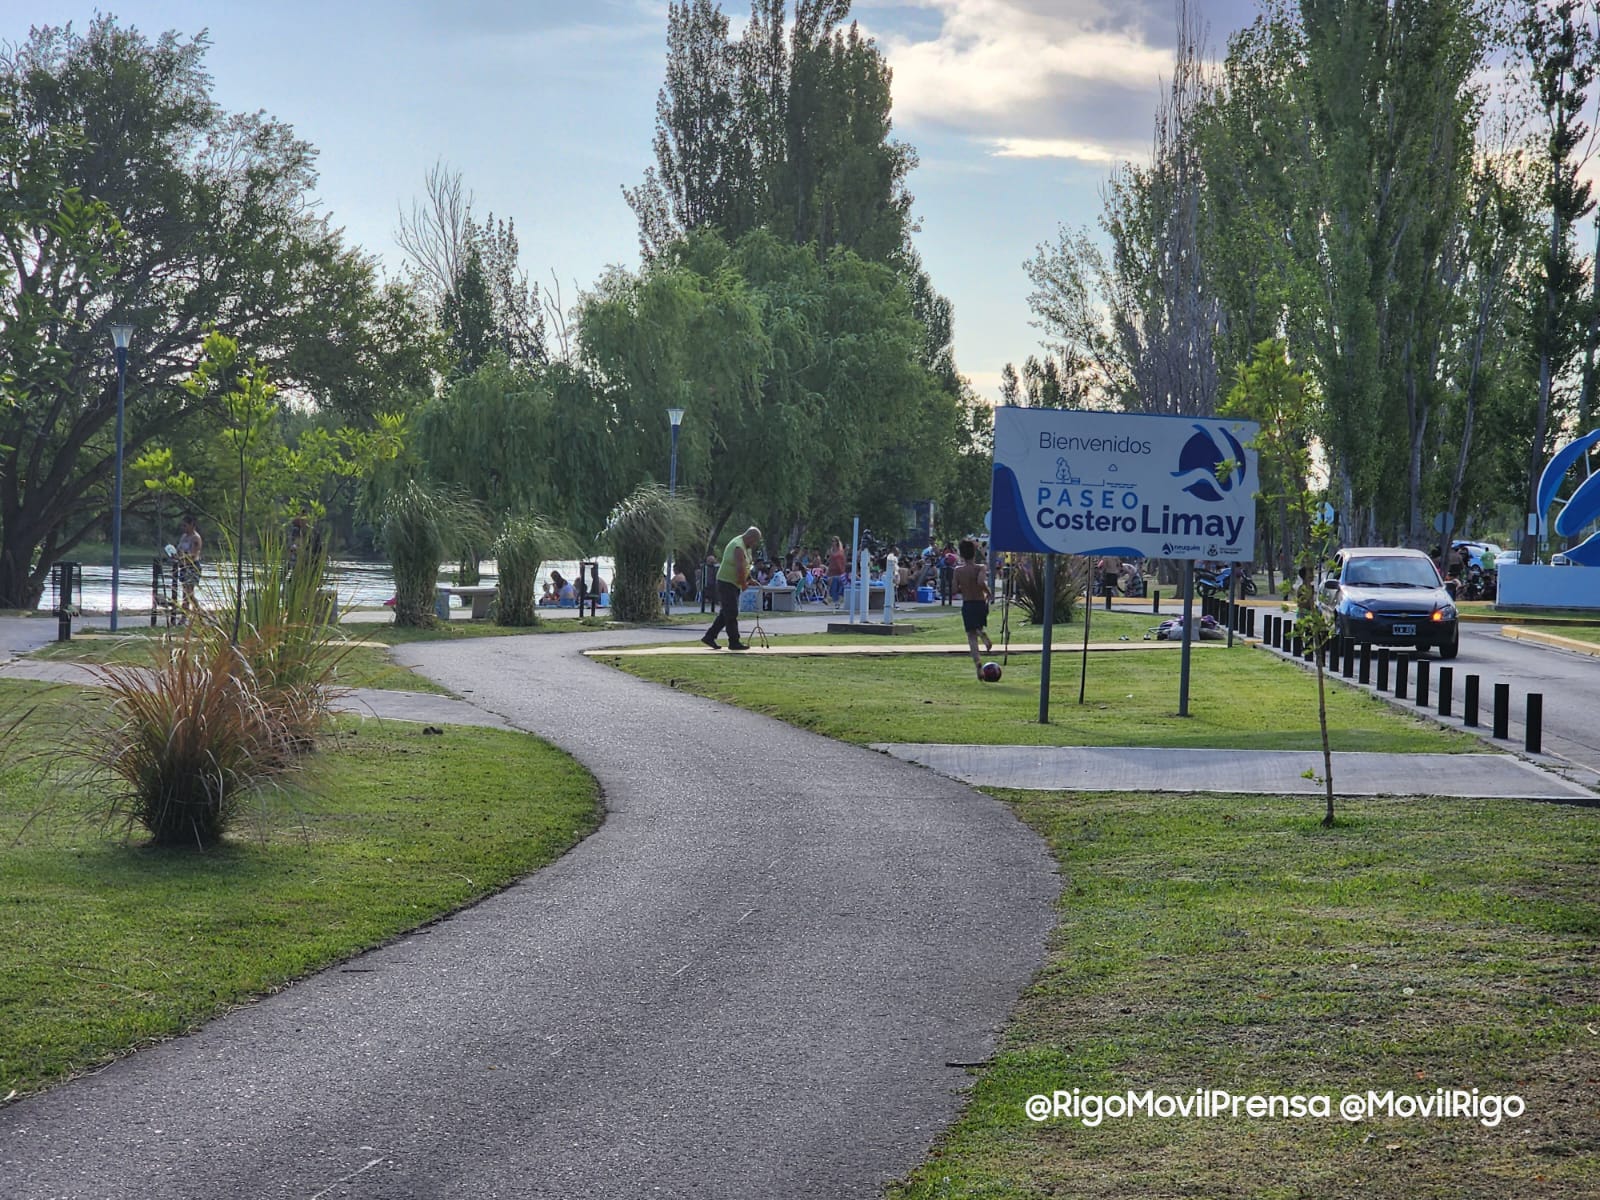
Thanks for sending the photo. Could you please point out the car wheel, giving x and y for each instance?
(1453, 647)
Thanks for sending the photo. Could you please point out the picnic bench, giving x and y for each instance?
(479, 596)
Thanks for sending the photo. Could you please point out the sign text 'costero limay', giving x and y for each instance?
(1071, 482)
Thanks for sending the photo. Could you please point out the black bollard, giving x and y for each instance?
(1108, 599)
(1469, 703)
(1349, 648)
(1447, 687)
(1402, 672)
(1364, 675)
(1533, 738)
(1422, 683)
(1155, 602)
(1249, 622)
(1502, 710)
(1297, 645)
(1383, 668)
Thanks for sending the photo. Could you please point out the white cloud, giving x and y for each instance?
(1018, 64)
(1081, 151)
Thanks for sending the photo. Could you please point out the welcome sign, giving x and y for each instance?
(1073, 482)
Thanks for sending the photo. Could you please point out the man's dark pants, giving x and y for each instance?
(728, 617)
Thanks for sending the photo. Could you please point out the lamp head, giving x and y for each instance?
(675, 415)
(121, 335)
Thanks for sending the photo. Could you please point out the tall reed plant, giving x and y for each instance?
(523, 544)
(638, 532)
(289, 637)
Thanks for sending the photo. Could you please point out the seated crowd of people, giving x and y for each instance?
(824, 577)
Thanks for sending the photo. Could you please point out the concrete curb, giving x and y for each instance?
(1522, 633)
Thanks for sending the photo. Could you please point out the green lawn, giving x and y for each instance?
(358, 666)
(1240, 698)
(106, 945)
(1230, 942)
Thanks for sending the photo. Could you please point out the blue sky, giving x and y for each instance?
(1017, 108)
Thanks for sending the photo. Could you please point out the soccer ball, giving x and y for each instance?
(990, 671)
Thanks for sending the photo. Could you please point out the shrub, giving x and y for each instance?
(187, 740)
(1027, 585)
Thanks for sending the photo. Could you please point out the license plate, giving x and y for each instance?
(1403, 630)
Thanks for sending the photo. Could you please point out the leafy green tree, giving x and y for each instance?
(1272, 392)
(470, 278)
(522, 544)
(805, 393)
(787, 128)
(1560, 44)
(146, 203)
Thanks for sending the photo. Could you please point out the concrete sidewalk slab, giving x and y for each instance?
(1266, 772)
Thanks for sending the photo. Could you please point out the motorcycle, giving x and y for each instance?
(1215, 584)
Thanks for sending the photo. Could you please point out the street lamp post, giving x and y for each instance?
(675, 415)
(120, 336)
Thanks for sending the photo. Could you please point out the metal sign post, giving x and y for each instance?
(1088, 615)
(1049, 621)
(1188, 632)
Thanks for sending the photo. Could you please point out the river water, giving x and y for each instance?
(359, 584)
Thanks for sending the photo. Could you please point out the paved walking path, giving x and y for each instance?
(753, 980)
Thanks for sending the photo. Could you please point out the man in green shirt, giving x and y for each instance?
(732, 575)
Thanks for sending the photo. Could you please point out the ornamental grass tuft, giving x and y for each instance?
(639, 530)
(523, 544)
(187, 741)
(1027, 584)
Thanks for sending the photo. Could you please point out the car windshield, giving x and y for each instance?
(1397, 572)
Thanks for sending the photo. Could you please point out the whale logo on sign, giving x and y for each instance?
(1201, 457)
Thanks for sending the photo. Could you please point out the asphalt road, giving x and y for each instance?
(1568, 681)
(752, 981)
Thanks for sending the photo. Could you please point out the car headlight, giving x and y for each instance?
(1359, 611)
(1445, 612)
